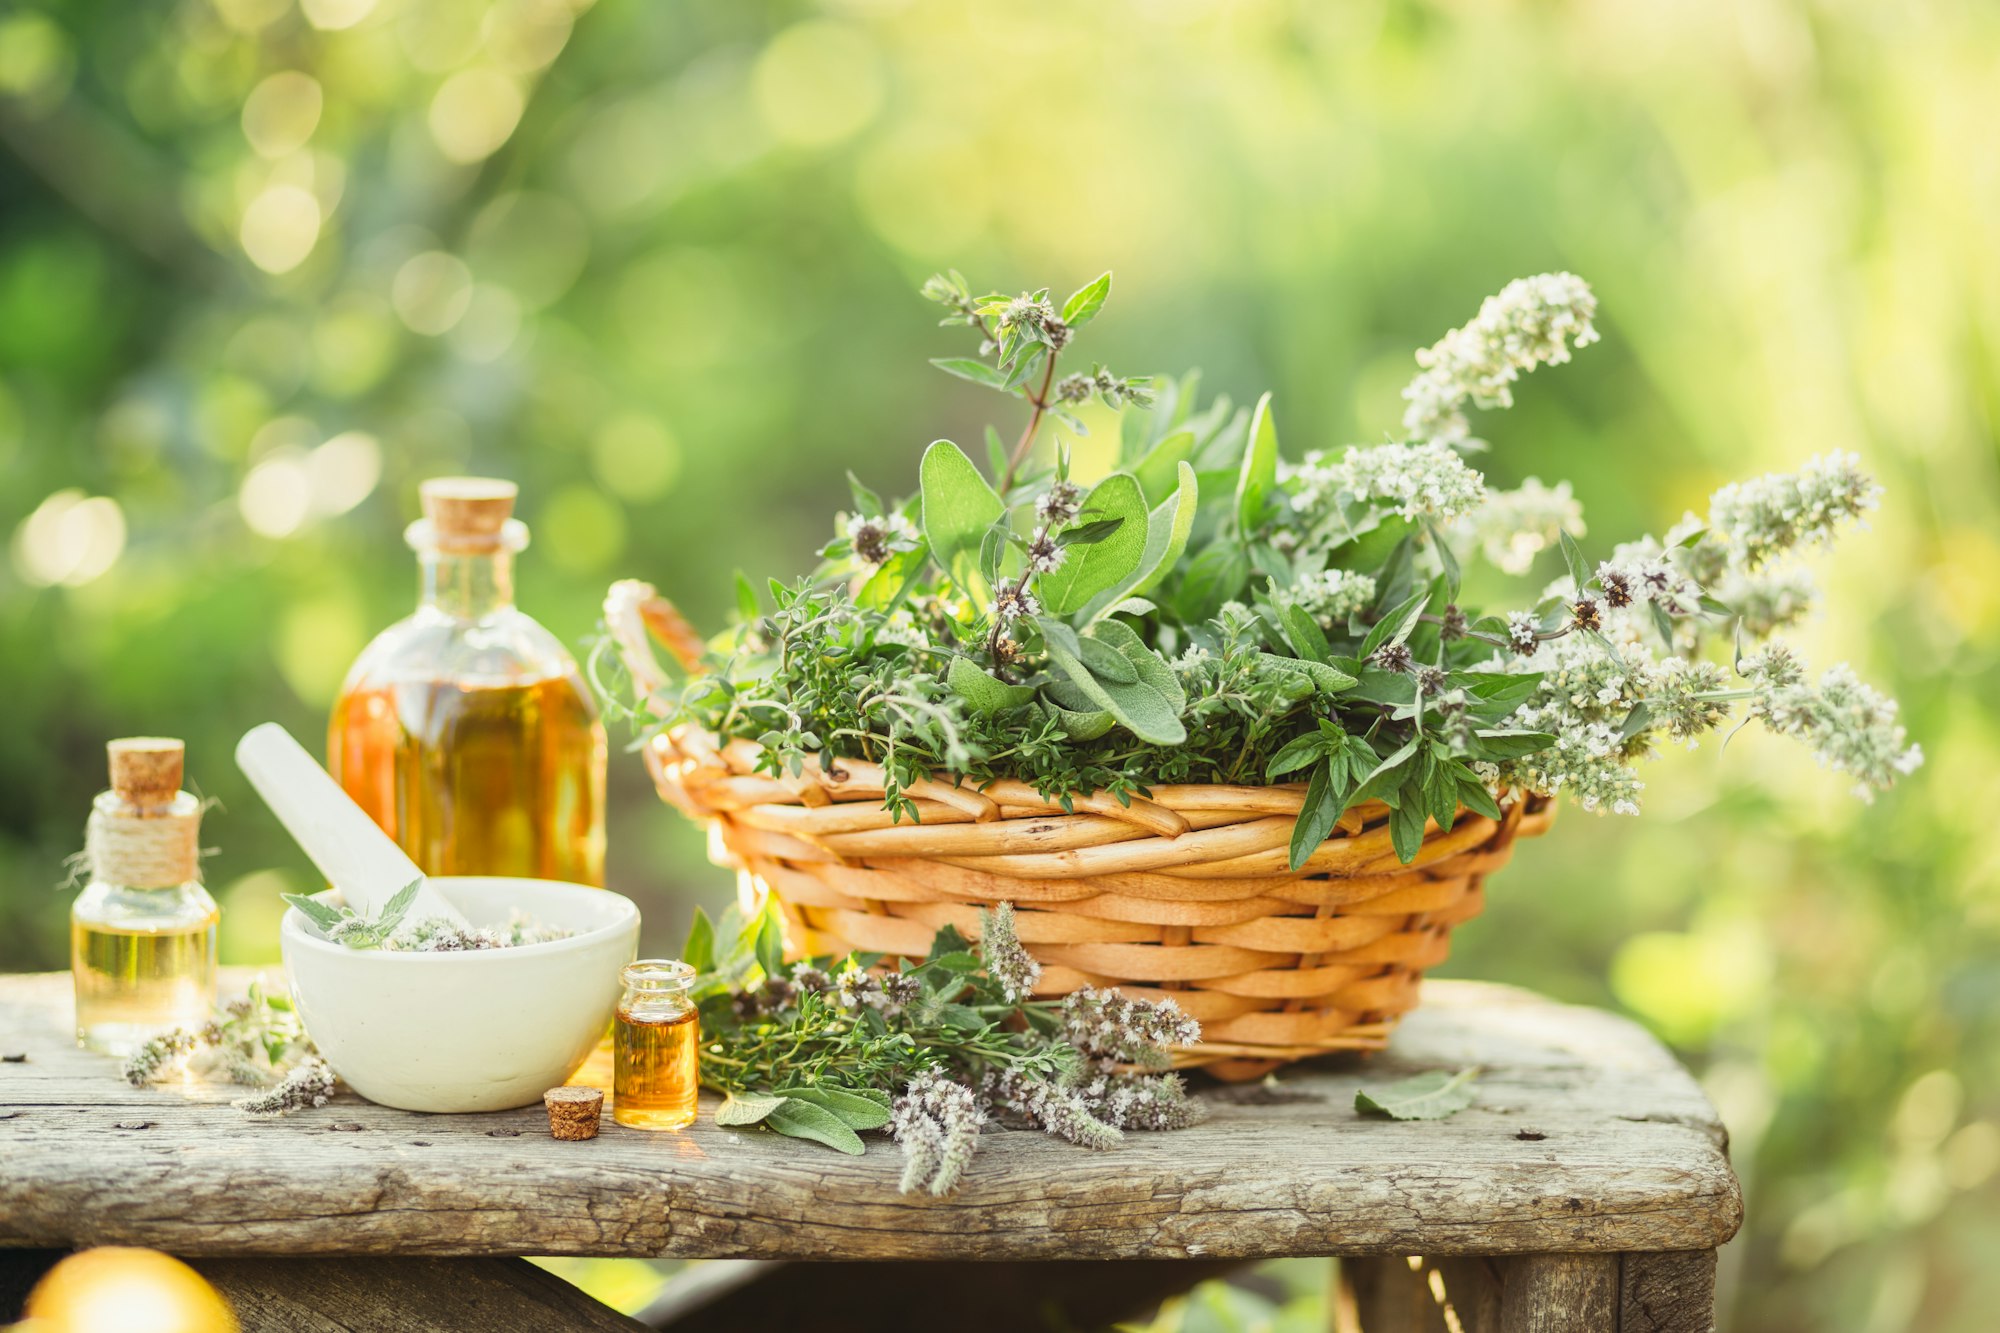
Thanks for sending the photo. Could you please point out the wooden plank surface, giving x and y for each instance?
(1586, 1137)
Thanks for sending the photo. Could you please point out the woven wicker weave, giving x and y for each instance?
(1186, 893)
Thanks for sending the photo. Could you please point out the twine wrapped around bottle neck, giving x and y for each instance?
(143, 848)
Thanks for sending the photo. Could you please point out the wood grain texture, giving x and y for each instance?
(397, 1295)
(1668, 1293)
(1559, 1293)
(1627, 1155)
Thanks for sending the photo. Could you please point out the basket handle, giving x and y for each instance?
(636, 614)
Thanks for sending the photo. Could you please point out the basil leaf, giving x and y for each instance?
(1316, 817)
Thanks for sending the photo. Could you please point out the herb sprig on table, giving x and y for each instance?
(257, 1042)
(827, 1049)
(1209, 612)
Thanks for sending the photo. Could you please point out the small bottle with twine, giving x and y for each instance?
(142, 932)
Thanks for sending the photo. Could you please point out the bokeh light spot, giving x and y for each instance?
(474, 113)
(276, 495)
(282, 112)
(522, 36)
(249, 16)
(818, 82)
(280, 228)
(491, 323)
(343, 472)
(36, 62)
(318, 638)
(636, 457)
(130, 1290)
(354, 343)
(70, 539)
(431, 292)
(334, 15)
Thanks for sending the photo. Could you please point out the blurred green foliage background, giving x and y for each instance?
(265, 264)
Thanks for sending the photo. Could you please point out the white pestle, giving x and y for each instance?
(360, 860)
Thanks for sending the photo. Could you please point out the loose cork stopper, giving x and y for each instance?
(146, 770)
(574, 1111)
(468, 513)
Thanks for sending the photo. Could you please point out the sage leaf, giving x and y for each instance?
(959, 507)
(746, 1108)
(1428, 1096)
(1107, 663)
(1087, 570)
(1259, 474)
(800, 1119)
(979, 688)
(968, 369)
(855, 1111)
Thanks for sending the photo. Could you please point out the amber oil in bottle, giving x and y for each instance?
(142, 932)
(466, 730)
(657, 1047)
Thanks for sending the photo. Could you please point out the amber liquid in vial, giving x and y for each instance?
(657, 1077)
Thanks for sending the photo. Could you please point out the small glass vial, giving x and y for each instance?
(142, 932)
(466, 730)
(657, 1044)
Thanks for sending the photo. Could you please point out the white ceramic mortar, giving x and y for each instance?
(479, 1030)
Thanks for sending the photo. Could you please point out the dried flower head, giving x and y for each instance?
(1586, 613)
(1000, 949)
(1109, 1026)
(1061, 503)
(876, 539)
(1394, 657)
(308, 1085)
(1012, 601)
(1045, 555)
(936, 1122)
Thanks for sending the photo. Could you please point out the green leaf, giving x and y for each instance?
(1446, 560)
(1107, 663)
(1149, 708)
(1296, 754)
(866, 501)
(1428, 1096)
(1579, 571)
(802, 1120)
(771, 941)
(855, 1111)
(1406, 824)
(1473, 794)
(948, 940)
(1084, 304)
(1153, 670)
(398, 907)
(699, 951)
(746, 1108)
(1089, 534)
(1396, 626)
(1159, 470)
(1089, 570)
(978, 688)
(1167, 530)
(968, 369)
(324, 915)
(1326, 679)
(1305, 635)
(1260, 468)
(958, 509)
(1083, 725)
(1214, 576)
(746, 598)
(1512, 744)
(1316, 817)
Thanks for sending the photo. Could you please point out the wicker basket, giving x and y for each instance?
(1187, 893)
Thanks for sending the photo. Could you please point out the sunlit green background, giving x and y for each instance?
(265, 264)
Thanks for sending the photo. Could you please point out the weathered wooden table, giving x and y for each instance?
(1587, 1189)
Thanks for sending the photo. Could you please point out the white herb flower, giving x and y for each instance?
(1530, 322)
(1513, 527)
(309, 1084)
(1784, 510)
(1416, 480)
(936, 1122)
(1847, 725)
(1010, 965)
(1105, 1025)
(1011, 602)
(1523, 632)
(876, 539)
(1584, 699)
(1058, 1109)
(157, 1057)
(1061, 503)
(1769, 599)
(1141, 1101)
(1330, 596)
(1045, 555)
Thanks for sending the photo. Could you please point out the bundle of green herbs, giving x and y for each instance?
(828, 1048)
(1210, 612)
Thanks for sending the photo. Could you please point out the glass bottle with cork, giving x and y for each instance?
(657, 1075)
(466, 730)
(142, 932)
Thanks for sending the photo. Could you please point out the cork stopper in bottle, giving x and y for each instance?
(146, 770)
(468, 513)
